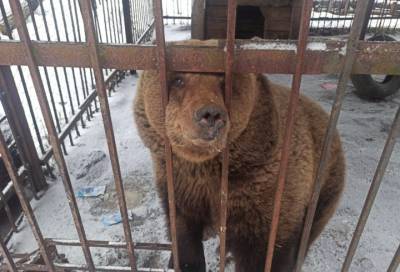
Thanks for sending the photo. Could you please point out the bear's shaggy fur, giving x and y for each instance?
(254, 132)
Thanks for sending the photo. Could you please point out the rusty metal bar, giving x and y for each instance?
(127, 21)
(7, 256)
(19, 126)
(58, 126)
(76, 267)
(111, 268)
(290, 119)
(229, 63)
(162, 67)
(112, 20)
(177, 17)
(7, 237)
(250, 57)
(360, 17)
(373, 191)
(54, 68)
(27, 267)
(119, 21)
(364, 29)
(60, 93)
(395, 261)
(10, 36)
(82, 71)
(26, 207)
(9, 214)
(109, 244)
(65, 73)
(356, 29)
(74, 76)
(87, 15)
(53, 139)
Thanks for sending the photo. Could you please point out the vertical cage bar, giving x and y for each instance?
(134, 21)
(127, 21)
(23, 82)
(395, 261)
(65, 69)
(105, 21)
(57, 80)
(162, 66)
(7, 256)
(108, 126)
(349, 59)
(12, 105)
(364, 29)
(290, 119)
(116, 22)
(82, 71)
(112, 21)
(74, 76)
(229, 62)
(373, 191)
(26, 207)
(119, 22)
(9, 214)
(53, 139)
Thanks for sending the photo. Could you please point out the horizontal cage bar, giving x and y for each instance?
(322, 57)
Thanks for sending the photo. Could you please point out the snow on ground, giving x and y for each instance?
(363, 126)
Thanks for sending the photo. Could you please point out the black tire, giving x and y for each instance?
(368, 88)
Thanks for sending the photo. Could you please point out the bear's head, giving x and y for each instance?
(196, 120)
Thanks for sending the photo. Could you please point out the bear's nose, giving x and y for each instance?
(210, 119)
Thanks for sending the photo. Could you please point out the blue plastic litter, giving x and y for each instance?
(111, 219)
(91, 191)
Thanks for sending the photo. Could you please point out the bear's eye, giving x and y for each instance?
(178, 82)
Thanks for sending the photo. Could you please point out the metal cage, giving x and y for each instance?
(97, 54)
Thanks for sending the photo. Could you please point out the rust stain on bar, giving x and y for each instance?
(53, 139)
(87, 16)
(229, 63)
(290, 117)
(162, 67)
(373, 190)
(360, 17)
(26, 207)
(7, 256)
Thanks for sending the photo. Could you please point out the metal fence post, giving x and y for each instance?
(19, 126)
(364, 29)
(126, 8)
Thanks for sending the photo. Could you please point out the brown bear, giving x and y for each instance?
(198, 127)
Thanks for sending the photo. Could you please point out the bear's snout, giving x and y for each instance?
(210, 120)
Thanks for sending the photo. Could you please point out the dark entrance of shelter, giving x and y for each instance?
(249, 22)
